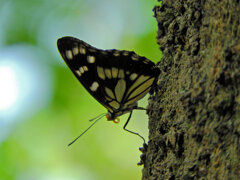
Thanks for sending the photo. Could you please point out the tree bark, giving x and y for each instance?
(195, 132)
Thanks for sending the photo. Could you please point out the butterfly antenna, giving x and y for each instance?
(97, 119)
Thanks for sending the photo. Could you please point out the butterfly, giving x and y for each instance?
(115, 78)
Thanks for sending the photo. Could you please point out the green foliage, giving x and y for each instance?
(36, 145)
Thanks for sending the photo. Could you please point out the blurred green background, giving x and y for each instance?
(42, 105)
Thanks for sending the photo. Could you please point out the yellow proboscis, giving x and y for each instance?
(116, 121)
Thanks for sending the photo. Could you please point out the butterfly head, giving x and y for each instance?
(111, 117)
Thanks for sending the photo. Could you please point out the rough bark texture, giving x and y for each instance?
(195, 134)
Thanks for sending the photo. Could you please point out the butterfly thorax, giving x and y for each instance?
(113, 116)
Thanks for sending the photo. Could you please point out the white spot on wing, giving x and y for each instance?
(69, 54)
(94, 86)
(91, 59)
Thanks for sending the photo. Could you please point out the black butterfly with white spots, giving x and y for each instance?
(116, 79)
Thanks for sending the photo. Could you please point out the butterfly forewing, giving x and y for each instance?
(82, 64)
(115, 78)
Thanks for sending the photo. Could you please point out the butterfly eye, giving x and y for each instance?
(108, 116)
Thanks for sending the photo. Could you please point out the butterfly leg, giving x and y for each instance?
(140, 108)
(125, 125)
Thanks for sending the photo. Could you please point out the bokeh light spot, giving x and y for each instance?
(8, 87)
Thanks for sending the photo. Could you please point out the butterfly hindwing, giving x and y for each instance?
(117, 79)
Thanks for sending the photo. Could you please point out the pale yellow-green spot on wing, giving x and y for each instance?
(85, 68)
(146, 61)
(125, 53)
(114, 72)
(91, 59)
(107, 98)
(94, 86)
(108, 108)
(104, 52)
(82, 50)
(135, 57)
(116, 53)
(121, 73)
(69, 54)
(109, 93)
(141, 88)
(81, 70)
(133, 76)
(108, 73)
(120, 89)
(140, 80)
(135, 99)
(78, 73)
(75, 51)
(100, 73)
(114, 104)
(92, 50)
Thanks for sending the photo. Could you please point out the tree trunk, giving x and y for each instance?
(195, 133)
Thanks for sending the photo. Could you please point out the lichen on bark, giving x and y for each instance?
(195, 132)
